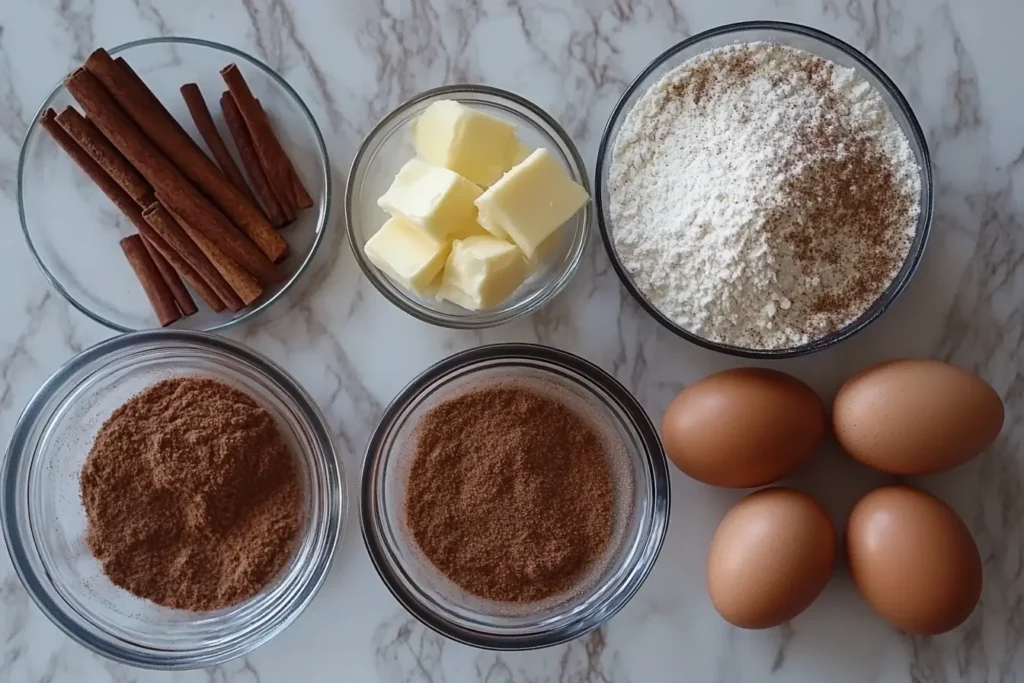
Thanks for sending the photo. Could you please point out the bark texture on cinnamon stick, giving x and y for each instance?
(169, 138)
(273, 158)
(154, 100)
(247, 152)
(178, 290)
(157, 291)
(201, 116)
(86, 135)
(186, 271)
(243, 284)
(95, 172)
(124, 202)
(165, 177)
(161, 221)
(302, 197)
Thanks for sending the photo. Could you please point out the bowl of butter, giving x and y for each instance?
(468, 207)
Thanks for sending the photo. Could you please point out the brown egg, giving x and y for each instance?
(770, 558)
(743, 427)
(913, 560)
(916, 416)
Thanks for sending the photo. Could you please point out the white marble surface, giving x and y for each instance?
(959, 64)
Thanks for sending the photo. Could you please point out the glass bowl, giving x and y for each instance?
(389, 145)
(817, 43)
(641, 493)
(44, 521)
(74, 240)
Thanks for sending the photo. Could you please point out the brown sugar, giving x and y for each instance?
(192, 496)
(509, 494)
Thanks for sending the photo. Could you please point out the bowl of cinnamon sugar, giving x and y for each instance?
(514, 497)
(171, 499)
(173, 182)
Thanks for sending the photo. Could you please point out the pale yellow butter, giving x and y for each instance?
(408, 255)
(434, 199)
(490, 224)
(522, 151)
(531, 201)
(477, 146)
(484, 218)
(481, 272)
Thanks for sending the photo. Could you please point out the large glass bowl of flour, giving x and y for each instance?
(683, 238)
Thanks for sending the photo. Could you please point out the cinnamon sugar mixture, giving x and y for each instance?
(192, 496)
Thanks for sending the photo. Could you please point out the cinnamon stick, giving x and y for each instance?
(85, 134)
(178, 290)
(168, 137)
(302, 197)
(273, 158)
(247, 289)
(174, 236)
(186, 271)
(150, 95)
(95, 172)
(247, 152)
(157, 291)
(122, 201)
(165, 178)
(201, 116)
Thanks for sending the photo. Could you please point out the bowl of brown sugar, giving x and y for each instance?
(171, 499)
(514, 496)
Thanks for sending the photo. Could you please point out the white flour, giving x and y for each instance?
(761, 196)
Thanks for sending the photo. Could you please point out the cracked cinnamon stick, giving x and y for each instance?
(165, 177)
(201, 116)
(169, 138)
(247, 152)
(157, 291)
(279, 169)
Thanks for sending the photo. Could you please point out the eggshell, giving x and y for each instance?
(913, 560)
(770, 558)
(916, 416)
(743, 427)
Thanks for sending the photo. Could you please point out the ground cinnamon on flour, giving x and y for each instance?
(192, 496)
(509, 494)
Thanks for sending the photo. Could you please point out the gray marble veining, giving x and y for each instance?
(958, 62)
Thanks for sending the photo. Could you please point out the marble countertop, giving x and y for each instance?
(958, 62)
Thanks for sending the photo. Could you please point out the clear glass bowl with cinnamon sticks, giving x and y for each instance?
(173, 181)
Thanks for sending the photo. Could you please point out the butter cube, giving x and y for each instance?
(487, 222)
(436, 200)
(522, 151)
(490, 223)
(477, 146)
(531, 201)
(408, 255)
(481, 272)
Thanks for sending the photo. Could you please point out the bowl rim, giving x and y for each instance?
(921, 234)
(323, 223)
(52, 605)
(653, 454)
(479, 319)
